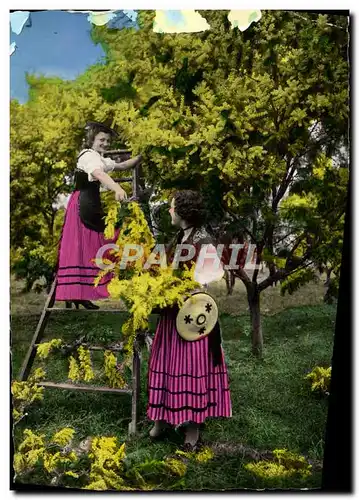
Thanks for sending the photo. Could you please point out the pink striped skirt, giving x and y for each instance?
(183, 384)
(78, 247)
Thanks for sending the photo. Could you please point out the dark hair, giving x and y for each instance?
(189, 206)
(91, 131)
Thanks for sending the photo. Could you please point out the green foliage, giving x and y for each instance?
(140, 284)
(297, 279)
(103, 335)
(80, 362)
(80, 367)
(156, 474)
(235, 107)
(112, 373)
(202, 456)
(332, 292)
(24, 394)
(243, 109)
(320, 378)
(53, 458)
(29, 453)
(45, 137)
(35, 260)
(31, 268)
(98, 463)
(246, 118)
(107, 465)
(286, 465)
(44, 349)
(162, 223)
(63, 437)
(265, 418)
(327, 189)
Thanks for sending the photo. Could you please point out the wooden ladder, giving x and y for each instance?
(40, 330)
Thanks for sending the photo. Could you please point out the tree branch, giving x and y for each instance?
(274, 193)
(315, 145)
(250, 234)
(254, 226)
(311, 133)
(296, 244)
(280, 275)
(258, 261)
(312, 21)
(288, 176)
(275, 111)
(283, 238)
(240, 273)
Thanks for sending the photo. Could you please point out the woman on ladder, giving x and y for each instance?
(82, 232)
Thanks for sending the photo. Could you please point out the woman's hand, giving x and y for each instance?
(120, 194)
(138, 159)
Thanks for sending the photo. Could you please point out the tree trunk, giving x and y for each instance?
(328, 273)
(52, 223)
(255, 314)
(230, 280)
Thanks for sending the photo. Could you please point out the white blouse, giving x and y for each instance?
(209, 266)
(92, 160)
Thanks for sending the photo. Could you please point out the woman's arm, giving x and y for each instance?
(106, 181)
(126, 165)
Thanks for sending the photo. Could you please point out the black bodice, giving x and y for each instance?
(90, 206)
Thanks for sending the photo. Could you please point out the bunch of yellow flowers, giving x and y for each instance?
(142, 286)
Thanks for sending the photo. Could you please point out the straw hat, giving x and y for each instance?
(197, 317)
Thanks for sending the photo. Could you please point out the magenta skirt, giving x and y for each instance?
(183, 384)
(78, 246)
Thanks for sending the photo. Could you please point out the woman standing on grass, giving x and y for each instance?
(187, 380)
(82, 233)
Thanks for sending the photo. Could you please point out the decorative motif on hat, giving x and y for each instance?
(201, 319)
(188, 319)
(197, 317)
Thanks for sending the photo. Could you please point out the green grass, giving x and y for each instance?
(272, 404)
(271, 300)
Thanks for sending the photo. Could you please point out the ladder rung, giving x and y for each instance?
(105, 348)
(87, 310)
(123, 179)
(99, 348)
(88, 388)
(117, 151)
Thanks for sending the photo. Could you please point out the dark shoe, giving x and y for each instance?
(159, 430)
(87, 304)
